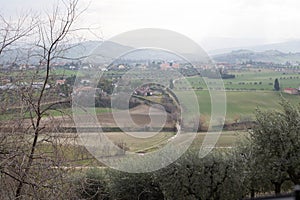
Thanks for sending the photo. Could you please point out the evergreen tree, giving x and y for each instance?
(276, 85)
(171, 84)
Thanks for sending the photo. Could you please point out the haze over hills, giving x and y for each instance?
(292, 46)
(276, 53)
(270, 56)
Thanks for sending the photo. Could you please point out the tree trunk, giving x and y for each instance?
(18, 192)
(277, 188)
(252, 193)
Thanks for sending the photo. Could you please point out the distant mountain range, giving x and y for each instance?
(276, 53)
(93, 51)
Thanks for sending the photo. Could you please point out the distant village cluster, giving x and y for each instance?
(8, 81)
(64, 82)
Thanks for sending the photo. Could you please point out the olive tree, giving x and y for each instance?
(212, 177)
(251, 174)
(276, 144)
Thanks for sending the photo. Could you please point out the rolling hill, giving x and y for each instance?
(243, 55)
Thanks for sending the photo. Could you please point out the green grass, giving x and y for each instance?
(67, 72)
(250, 80)
(54, 113)
(73, 155)
(68, 111)
(226, 138)
(245, 103)
(241, 104)
(28, 74)
(263, 80)
(249, 90)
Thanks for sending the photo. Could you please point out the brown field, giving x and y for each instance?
(140, 115)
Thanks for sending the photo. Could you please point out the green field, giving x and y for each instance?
(54, 113)
(248, 91)
(243, 104)
(251, 80)
(67, 72)
(240, 104)
(29, 74)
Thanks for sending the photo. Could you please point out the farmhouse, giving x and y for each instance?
(143, 91)
(85, 82)
(60, 82)
(121, 67)
(39, 85)
(291, 91)
(169, 65)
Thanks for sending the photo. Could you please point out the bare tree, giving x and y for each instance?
(29, 168)
(52, 34)
(13, 31)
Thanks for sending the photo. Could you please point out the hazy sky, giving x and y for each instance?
(209, 22)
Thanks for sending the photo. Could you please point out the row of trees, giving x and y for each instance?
(266, 162)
